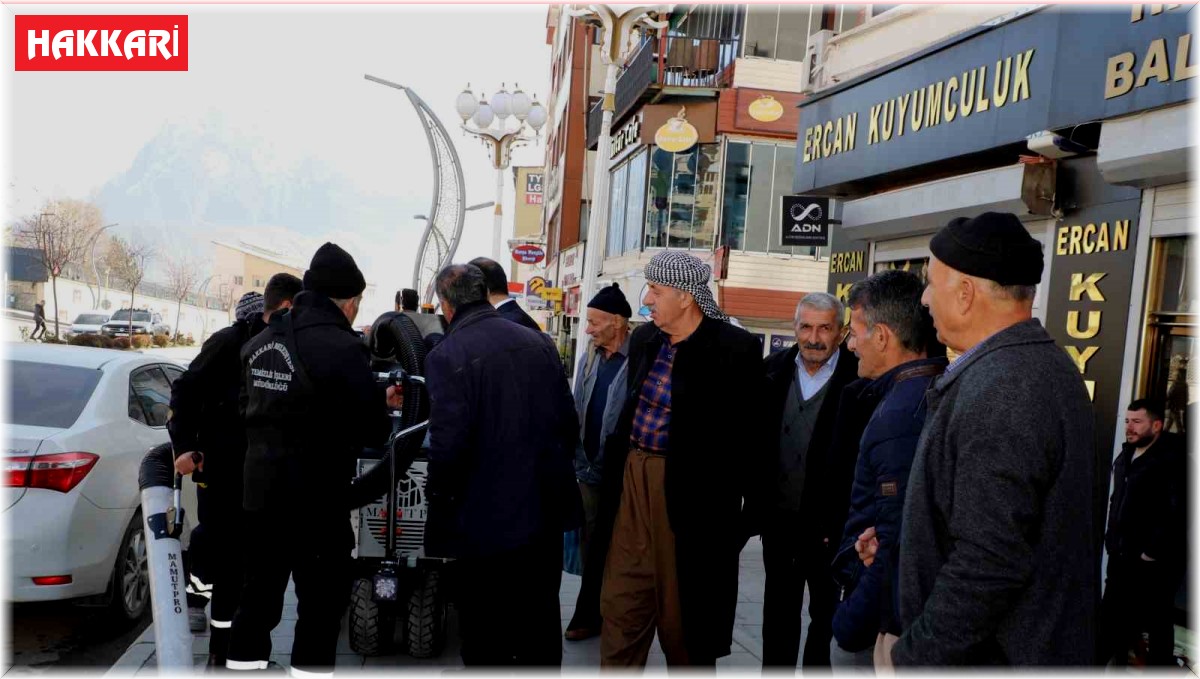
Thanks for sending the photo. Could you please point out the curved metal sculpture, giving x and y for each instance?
(445, 221)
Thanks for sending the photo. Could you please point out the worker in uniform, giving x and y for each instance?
(311, 404)
(209, 440)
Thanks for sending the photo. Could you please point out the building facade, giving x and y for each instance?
(704, 145)
(1077, 121)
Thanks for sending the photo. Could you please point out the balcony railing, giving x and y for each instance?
(696, 62)
(668, 61)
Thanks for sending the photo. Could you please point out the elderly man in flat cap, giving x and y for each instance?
(677, 475)
(999, 554)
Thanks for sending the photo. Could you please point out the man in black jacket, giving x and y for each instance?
(209, 439)
(1146, 538)
(679, 475)
(501, 484)
(497, 287)
(807, 494)
(311, 404)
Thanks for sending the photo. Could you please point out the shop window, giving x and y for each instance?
(616, 211)
(757, 176)
(1172, 355)
(680, 198)
(627, 200)
(736, 191)
(635, 203)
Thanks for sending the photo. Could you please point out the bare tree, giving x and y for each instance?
(60, 234)
(183, 273)
(127, 264)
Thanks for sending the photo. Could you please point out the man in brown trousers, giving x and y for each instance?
(678, 477)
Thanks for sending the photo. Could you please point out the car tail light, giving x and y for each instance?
(52, 580)
(60, 472)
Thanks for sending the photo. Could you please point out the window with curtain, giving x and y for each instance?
(680, 197)
(757, 176)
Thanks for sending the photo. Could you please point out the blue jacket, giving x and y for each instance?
(502, 432)
(590, 471)
(877, 499)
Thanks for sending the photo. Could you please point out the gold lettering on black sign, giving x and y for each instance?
(1091, 238)
(1081, 285)
(959, 96)
(1156, 62)
(847, 262)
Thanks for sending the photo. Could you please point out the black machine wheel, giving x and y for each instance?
(397, 342)
(426, 633)
(131, 577)
(372, 626)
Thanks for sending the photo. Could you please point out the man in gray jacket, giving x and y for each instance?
(998, 552)
(600, 385)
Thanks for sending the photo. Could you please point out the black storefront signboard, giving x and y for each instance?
(805, 220)
(1047, 70)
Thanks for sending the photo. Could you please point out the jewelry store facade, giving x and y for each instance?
(1078, 122)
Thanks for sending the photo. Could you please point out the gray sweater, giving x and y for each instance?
(998, 556)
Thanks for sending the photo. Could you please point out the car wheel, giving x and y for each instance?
(131, 575)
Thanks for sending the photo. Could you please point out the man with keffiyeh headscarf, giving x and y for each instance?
(677, 486)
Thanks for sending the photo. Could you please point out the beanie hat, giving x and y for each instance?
(334, 274)
(249, 306)
(994, 245)
(611, 300)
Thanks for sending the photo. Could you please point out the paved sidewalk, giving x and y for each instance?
(579, 656)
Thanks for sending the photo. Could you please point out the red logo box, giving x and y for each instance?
(121, 42)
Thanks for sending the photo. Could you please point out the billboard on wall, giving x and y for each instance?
(527, 216)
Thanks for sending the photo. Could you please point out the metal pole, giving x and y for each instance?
(497, 255)
(95, 269)
(598, 217)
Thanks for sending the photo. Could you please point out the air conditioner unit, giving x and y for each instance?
(812, 71)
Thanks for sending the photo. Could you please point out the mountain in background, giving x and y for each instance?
(199, 181)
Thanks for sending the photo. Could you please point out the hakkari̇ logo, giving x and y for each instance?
(101, 42)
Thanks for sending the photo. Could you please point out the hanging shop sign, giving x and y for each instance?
(552, 294)
(572, 265)
(677, 135)
(766, 109)
(626, 136)
(528, 254)
(534, 286)
(1093, 252)
(1050, 69)
(805, 220)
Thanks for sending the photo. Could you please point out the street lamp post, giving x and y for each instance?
(95, 269)
(444, 253)
(617, 24)
(478, 117)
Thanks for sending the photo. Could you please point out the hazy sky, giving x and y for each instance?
(292, 77)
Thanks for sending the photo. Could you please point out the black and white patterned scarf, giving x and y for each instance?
(685, 272)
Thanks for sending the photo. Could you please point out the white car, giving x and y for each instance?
(81, 421)
(88, 323)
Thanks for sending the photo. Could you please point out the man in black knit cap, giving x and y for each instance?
(310, 404)
(999, 551)
(600, 388)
